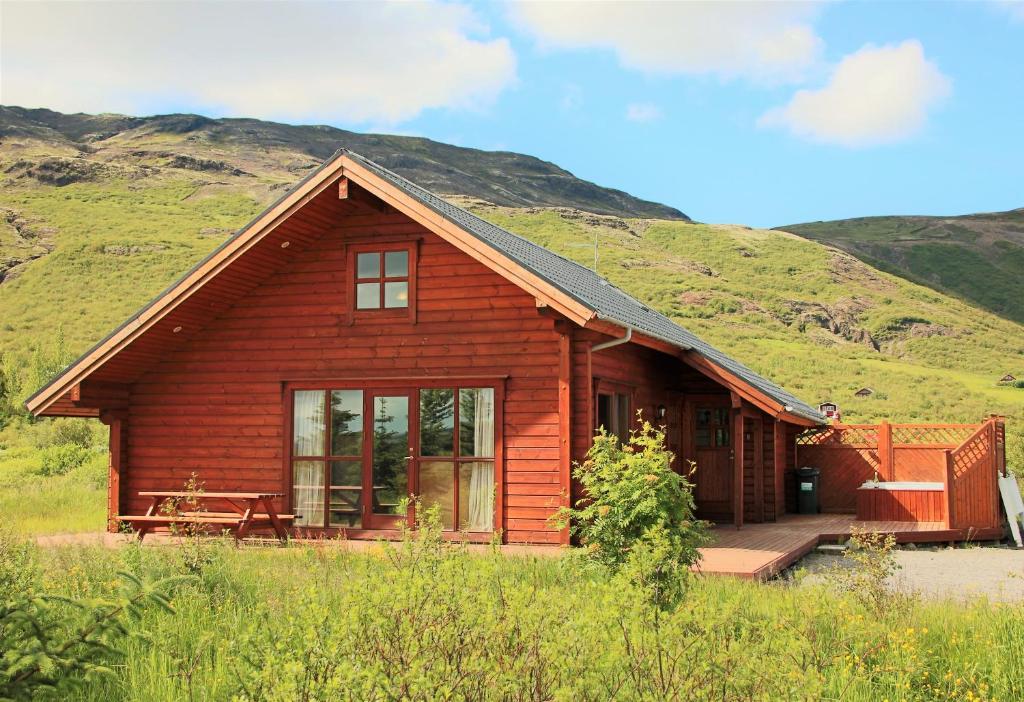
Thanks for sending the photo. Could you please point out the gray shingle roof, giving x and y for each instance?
(587, 287)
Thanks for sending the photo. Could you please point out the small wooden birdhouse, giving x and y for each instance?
(864, 392)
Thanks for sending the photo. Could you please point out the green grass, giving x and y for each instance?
(34, 505)
(85, 285)
(416, 622)
(975, 257)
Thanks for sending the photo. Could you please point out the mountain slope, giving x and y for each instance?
(133, 214)
(978, 257)
(272, 149)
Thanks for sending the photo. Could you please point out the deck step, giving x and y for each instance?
(831, 548)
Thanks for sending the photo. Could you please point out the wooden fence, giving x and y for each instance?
(966, 458)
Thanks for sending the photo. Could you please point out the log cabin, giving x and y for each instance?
(362, 340)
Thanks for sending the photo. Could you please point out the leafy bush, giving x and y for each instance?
(637, 516)
(871, 565)
(61, 459)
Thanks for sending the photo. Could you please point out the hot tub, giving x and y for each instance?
(901, 501)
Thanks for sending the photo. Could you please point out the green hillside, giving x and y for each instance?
(84, 255)
(978, 257)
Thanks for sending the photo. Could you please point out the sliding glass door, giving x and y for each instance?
(358, 453)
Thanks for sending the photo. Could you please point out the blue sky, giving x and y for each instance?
(758, 113)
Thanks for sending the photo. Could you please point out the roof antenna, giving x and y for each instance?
(584, 245)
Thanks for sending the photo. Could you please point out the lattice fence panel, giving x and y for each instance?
(950, 435)
(863, 436)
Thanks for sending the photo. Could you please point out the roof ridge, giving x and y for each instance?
(480, 219)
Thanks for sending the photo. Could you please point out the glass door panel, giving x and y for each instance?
(476, 496)
(437, 488)
(345, 508)
(308, 493)
(391, 454)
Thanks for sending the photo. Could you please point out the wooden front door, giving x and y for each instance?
(709, 445)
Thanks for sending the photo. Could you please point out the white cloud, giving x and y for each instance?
(875, 95)
(764, 41)
(361, 62)
(1015, 8)
(643, 112)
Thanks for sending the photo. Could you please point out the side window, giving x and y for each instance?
(614, 414)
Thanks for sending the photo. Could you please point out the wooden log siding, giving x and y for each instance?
(215, 405)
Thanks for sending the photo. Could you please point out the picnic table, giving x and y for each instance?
(245, 512)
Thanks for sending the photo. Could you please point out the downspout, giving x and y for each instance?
(614, 342)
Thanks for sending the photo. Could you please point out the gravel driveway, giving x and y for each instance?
(957, 573)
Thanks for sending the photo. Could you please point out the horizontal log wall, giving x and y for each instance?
(215, 405)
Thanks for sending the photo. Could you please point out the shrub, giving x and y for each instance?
(871, 564)
(61, 459)
(636, 518)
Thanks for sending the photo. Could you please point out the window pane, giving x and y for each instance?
(722, 417)
(368, 296)
(396, 295)
(437, 487)
(308, 493)
(624, 420)
(346, 506)
(396, 264)
(703, 437)
(368, 265)
(721, 437)
(346, 422)
(476, 496)
(703, 417)
(390, 448)
(476, 422)
(604, 412)
(437, 422)
(308, 423)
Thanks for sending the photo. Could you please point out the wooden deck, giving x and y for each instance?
(762, 550)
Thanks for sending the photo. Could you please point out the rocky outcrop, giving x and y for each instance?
(840, 319)
(206, 165)
(24, 241)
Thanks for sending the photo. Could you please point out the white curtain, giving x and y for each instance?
(308, 493)
(308, 427)
(481, 481)
(308, 423)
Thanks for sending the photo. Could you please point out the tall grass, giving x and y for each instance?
(424, 621)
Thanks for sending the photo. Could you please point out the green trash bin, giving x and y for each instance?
(807, 481)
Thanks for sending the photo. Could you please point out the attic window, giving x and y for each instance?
(383, 279)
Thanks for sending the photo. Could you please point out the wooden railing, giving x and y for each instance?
(849, 454)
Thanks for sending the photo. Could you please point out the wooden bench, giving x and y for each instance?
(246, 515)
